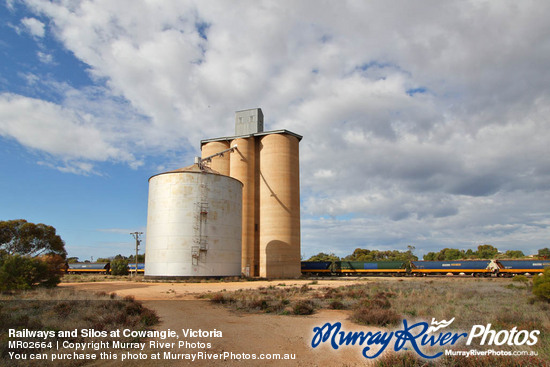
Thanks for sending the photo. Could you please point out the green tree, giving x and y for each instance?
(486, 252)
(140, 257)
(513, 254)
(410, 253)
(544, 253)
(452, 254)
(445, 254)
(541, 285)
(24, 238)
(375, 255)
(119, 266)
(30, 255)
(321, 256)
(25, 272)
(430, 256)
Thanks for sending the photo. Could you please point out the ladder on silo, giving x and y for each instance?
(198, 251)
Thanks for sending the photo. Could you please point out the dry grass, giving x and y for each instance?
(500, 302)
(273, 299)
(67, 310)
(412, 360)
(83, 278)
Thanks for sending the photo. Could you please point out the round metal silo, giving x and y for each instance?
(221, 163)
(193, 225)
(280, 206)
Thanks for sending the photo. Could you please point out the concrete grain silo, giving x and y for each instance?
(244, 166)
(221, 163)
(267, 163)
(279, 206)
(193, 224)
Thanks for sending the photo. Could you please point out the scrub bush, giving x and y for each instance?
(303, 307)
(19, 272)
(541, 285)
(375, 316)
(119, 267)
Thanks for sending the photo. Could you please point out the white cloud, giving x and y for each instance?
(35, 27)
(423, 121)
(68, 135)
(45, 58)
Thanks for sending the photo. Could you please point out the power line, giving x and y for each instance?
(138, 241)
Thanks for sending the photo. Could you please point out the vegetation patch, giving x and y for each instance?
(413, 360)
(541, 285)
(386, 303)
(67, 310)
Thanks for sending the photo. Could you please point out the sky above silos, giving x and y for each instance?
(425, 123)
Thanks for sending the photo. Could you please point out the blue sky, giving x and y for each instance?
(94, 214)
(424, 123)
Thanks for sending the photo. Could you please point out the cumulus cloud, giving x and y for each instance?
(423, 122)
(35, 27)
(63, 133)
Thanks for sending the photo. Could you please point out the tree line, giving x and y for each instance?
(33, 255)
(487, 252)
(119, 263)
(131, 259)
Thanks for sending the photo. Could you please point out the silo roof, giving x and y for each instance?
(228, 138)
(195, 168)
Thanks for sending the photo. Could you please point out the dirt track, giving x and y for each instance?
(258, 334)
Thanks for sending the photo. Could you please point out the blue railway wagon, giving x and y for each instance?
(451, 266)
(98, 268)
(510, 267)
(316, 267)
(369, 267)
(140, 267)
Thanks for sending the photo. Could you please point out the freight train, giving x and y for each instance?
(422, 268)
(502, 268)
(99, 268)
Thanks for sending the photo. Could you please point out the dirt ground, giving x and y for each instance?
(179, 309)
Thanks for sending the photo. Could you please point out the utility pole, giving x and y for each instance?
(136, 236)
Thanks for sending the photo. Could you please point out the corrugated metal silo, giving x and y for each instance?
(193, 224)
